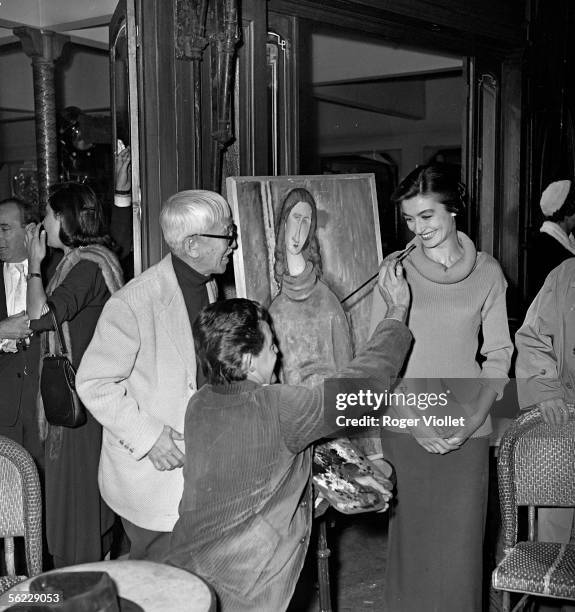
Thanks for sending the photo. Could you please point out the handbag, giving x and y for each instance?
(62, 405)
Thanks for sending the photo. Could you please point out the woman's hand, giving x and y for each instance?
(554, 411)
(123, 181)
(477, 413)
(436, 445)
(427, 437)
(36, 245)
(472, 423)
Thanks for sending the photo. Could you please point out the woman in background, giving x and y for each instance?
(76, 517)
(545, 371)
(435, 552)
(554, 243)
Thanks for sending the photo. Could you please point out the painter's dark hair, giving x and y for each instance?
(28, 212)
(223, 333)
(567, 208)
(81, 216)
(438, 180)
(310, 249)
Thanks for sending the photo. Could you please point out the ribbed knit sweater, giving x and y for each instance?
(449, 308)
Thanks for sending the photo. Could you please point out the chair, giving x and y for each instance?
(536, 467)
(20, 510)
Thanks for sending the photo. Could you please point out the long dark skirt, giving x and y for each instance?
(76, 516)
(435, 556)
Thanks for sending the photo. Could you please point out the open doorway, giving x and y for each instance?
(370, 106)
(362, 105)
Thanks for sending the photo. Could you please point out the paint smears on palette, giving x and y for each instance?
(349, 481)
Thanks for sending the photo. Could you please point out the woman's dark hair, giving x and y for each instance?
(81, 216)
(567, 208)
(223, 333)
(438, 180)
(310, 249)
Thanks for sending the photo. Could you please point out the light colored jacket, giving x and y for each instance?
(137, 375)
(545, 342)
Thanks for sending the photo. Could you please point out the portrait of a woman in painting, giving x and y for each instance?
(310, 324)
(314, 339)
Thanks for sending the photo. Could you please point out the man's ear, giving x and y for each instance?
(192, 247)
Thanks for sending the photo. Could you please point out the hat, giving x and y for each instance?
(87, 591)
(554, 196)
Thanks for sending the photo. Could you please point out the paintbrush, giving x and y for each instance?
(404, 253)
(398, 259)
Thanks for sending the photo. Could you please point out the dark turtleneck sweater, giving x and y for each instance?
(195, 292)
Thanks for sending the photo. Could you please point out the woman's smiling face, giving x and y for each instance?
(428, 218)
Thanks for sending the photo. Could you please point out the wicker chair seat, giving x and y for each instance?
(538, 568)
(7, 582)
(20, 508)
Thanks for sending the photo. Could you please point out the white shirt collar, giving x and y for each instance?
(8, 265)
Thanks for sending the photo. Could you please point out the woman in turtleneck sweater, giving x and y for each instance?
(436, 530)
(310, 324)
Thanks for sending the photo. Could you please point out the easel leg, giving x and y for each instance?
(323, 554)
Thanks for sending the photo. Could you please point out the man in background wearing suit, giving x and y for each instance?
(18, 362)
(139, 372)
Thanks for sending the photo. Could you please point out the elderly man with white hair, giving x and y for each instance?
(139, 371)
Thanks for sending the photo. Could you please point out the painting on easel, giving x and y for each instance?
(310, 240)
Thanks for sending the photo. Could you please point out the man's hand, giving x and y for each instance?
(165, 455)
(15, 327)
(385, 494)
(554, 412)
(379, 482)
(394, 289)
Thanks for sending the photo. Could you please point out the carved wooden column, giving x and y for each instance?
(226, 37)
(44, 48)
(194, 30)
(190, 44)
